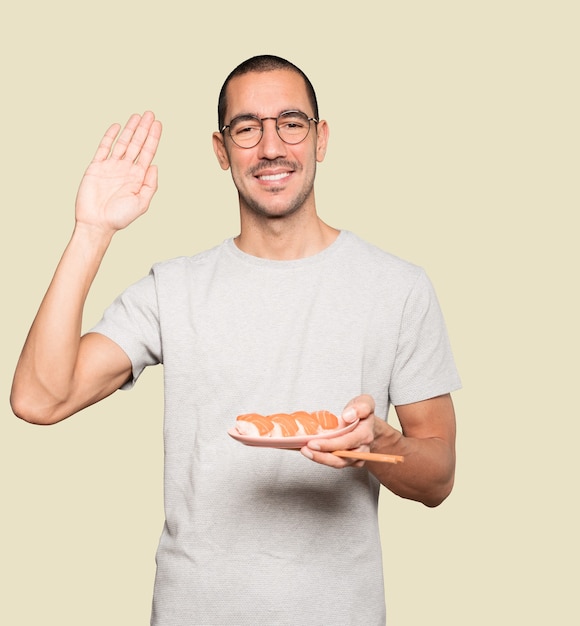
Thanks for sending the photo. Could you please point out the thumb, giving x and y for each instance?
(149, 186)
(360, 407)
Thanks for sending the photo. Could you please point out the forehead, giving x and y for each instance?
(267, 94)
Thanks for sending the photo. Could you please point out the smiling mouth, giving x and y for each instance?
(273, 177)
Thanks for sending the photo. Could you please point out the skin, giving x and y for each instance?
(61, 372)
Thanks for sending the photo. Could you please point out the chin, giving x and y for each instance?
(276, 210)
(273, 212)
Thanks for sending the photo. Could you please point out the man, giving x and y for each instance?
(291, 314)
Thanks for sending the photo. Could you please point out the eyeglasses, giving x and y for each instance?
(292, 127)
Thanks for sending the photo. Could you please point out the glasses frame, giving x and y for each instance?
(262, 120)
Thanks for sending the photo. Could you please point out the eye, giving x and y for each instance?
(289, 124)
(246, 129)
(245, 126)
(292, 122)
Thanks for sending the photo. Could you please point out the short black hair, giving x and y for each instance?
(263, 63)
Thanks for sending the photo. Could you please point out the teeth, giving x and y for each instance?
(275, 176)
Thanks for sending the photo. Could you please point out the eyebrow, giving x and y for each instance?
(247, 116)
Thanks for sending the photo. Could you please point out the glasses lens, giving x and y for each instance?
(246, 131)
(293, 126)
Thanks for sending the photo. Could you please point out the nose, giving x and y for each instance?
(270, 146)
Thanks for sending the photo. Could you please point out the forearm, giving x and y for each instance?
(45, 372)
(427, 473)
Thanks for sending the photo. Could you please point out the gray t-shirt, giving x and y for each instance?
(257, 536)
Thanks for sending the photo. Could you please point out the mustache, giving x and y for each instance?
(266, 164)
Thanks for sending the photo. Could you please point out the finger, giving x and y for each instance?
(125, 137)
(149, 147)
(344, 442)
(360, 407)
(359, 438)
(107, 141)
(139, 137)
(325, 458)
(149, 187)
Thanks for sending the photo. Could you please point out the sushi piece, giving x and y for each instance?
(307, 423)
(326, 419)
(253, 425)
(285, 423)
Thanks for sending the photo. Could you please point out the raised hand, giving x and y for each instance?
(120, 182)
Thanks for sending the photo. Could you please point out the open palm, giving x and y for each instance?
(120, 182)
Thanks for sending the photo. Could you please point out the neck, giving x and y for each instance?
(284, 239)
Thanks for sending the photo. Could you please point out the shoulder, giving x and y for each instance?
(380, 264)
(353, 244)
(188, 264)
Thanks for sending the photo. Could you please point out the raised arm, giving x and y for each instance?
(59, 372)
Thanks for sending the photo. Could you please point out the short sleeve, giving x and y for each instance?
(424, 366)
(132, 322)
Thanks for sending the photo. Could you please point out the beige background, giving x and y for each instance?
(454, 144)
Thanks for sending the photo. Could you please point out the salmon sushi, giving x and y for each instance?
(307, 423)
(254, 425)
(287, 426)
(326, 419)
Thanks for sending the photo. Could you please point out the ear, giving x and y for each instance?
(220, 150)
(322, 134)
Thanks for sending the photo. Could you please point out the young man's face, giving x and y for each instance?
(274, 179)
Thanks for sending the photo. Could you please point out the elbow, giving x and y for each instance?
(33, 412)
(441, 484)
(437, 496)
(433, 502)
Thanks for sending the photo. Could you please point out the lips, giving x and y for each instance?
(273, 177)
(275, 171)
